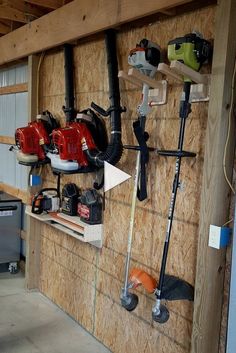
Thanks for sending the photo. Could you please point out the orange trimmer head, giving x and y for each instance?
(139, 277)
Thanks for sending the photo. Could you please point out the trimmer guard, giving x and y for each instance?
(173, 289)
(140, 277)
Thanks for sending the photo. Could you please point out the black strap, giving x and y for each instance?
(142, 137)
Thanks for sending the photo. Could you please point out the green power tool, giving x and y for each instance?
(192, 50)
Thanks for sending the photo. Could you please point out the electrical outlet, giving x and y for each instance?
(35, 180)
(219, 237)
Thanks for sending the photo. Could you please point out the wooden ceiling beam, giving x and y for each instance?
(50, 4)
(86, 18)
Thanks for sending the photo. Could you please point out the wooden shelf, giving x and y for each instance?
(72, 226)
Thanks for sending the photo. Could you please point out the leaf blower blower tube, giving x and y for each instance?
(69, 108)
(114, 150)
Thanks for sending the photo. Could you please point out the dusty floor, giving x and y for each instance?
(30, 323)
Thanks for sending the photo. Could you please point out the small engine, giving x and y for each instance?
(67, 142)
(33, 140)
(145, 57)
(68, 154)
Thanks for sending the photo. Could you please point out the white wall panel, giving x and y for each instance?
(22, 74)
(7, 114)
(3, 78)
(13, 114)
(21, 180)
(13, 75)
(8, 165)
(21, 109)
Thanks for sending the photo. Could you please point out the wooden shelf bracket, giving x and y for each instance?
(177, 71)
(158, 91)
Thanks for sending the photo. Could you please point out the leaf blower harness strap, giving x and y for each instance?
(142, 137)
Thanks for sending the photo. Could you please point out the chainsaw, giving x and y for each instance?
(33, 141)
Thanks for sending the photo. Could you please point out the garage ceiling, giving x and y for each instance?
(16, 13)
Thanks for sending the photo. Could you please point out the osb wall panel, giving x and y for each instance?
(86, 282)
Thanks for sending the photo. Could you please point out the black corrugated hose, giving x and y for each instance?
(115, 148)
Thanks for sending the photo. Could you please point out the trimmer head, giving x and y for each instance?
(129, 301)
(174, 288)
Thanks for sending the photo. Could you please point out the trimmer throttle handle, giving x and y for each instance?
(99, 109)
(107, 112)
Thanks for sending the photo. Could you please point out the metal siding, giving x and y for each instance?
(2, 169)
(11, 77)
(13, 113)
(7, 114)
(2, 107)
(21, 109)
(10, 162)
(9, 119)
(21, 73)
(21, 176)
(2, 78)
(7, 160)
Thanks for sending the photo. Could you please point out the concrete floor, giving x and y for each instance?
(30, 323)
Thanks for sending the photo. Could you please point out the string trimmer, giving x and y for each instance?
(145, 57)
(191, 50)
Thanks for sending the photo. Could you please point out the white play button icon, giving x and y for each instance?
(113, 176)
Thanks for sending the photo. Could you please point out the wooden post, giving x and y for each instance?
(33, 241)
(214, 208)
(33, 62)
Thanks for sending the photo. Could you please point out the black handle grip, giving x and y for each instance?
(8, 208)
(137, 148)
(175, 153)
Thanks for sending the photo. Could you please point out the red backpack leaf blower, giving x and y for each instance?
(82, 146)
(34, 140)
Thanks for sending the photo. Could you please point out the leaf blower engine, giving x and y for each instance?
(33, 141)
(87, 132)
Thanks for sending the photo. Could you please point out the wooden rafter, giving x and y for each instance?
(9, 13)
(50, 4)
(4, 29)
(22, 6)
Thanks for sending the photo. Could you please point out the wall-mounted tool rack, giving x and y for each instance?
(72, 226)
(177, 71)
(158, 91)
